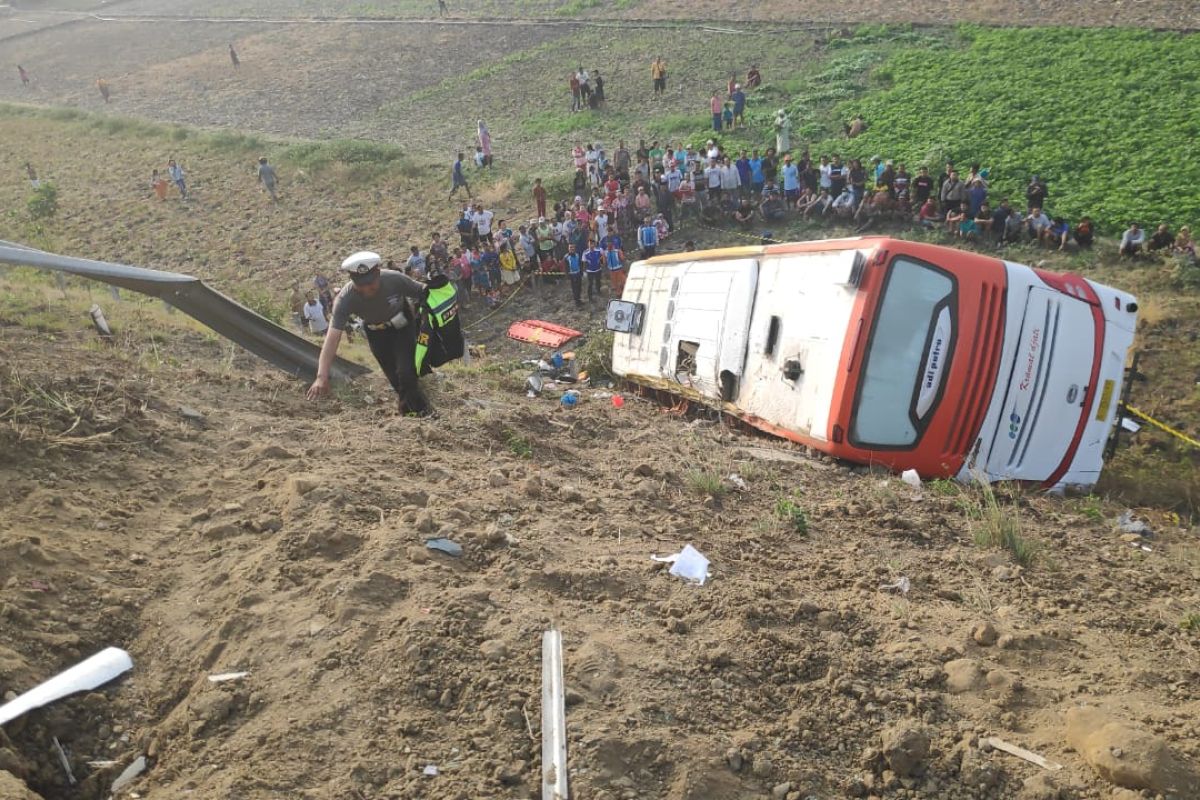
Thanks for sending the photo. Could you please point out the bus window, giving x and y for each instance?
(908, 353)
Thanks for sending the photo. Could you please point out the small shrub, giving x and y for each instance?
(1191, 622)
(520, 446)
(788, 510)
(43, 202)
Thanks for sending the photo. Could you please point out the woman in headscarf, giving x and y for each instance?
(484, 139)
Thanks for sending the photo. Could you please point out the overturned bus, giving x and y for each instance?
(889, 352)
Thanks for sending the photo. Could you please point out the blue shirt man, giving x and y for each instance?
(791, 177)
(593, 259)
(756, 171)
(575, 273)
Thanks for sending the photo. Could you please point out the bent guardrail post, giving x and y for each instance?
(281, 348)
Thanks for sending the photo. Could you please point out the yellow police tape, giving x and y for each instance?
(503, 303)
(1142, 415)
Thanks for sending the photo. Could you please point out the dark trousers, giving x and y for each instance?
(593, 279)
(395, 350)
(576, 286)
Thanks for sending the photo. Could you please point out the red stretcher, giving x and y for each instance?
(541, 333)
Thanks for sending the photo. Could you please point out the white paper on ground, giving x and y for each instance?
(430, 770)
(901, 585)
(95, 671)
(688, 564)
(911, 477)
(1130, 425)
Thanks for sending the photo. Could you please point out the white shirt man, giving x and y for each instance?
(314, 315)
(730, 179)
(826, 179)
(672, 178)
(712, 174)
(483, 221)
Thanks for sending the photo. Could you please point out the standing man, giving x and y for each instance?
(593, 262)
(648, 238)
(233, 57)
(1036, 193)
(458, 179)
(717, 107)
(614, 259)
(415, 266)
(539, 197)
(658, 71)
(175, 173)
(313, 315)
(267, 177)
(380, 298)
(739, 105)
(24, 75)
(575, 272)
(102, 85)
(483, 223)
(622, 161)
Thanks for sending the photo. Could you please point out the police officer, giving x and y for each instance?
(381, 298)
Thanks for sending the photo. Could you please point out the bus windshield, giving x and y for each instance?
(908, 352)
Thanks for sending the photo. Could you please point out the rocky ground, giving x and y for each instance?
(226, 525)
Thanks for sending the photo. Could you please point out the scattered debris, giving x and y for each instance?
(129, 773)
(533, 385)
(996, 743)
(554, 719)
(1129, 425)
(447, 546)
(569, 399)
(430, 769)
(911, 477)
(225, 677)
(66, 762)
(901, 585)
(1128, 524)
(89, 674)
(191, 414)
(618, 401)
(737, 482)
(102, 764)
(688, 564)
(39, 586)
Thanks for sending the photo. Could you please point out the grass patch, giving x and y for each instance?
(998, 527)
(944, 487)
(1190, 622)
(561, 123)
(706, 482)
(789, 511)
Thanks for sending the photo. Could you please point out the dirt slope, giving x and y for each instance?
(286, 539)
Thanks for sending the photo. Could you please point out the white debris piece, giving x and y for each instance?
(89, 674)
(688, 564)
(430, 769)
(911, 477)
(901, 585)
(225, 677)
(128, 774)
(554, 719)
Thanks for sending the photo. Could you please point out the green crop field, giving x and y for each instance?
(1108, 117)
